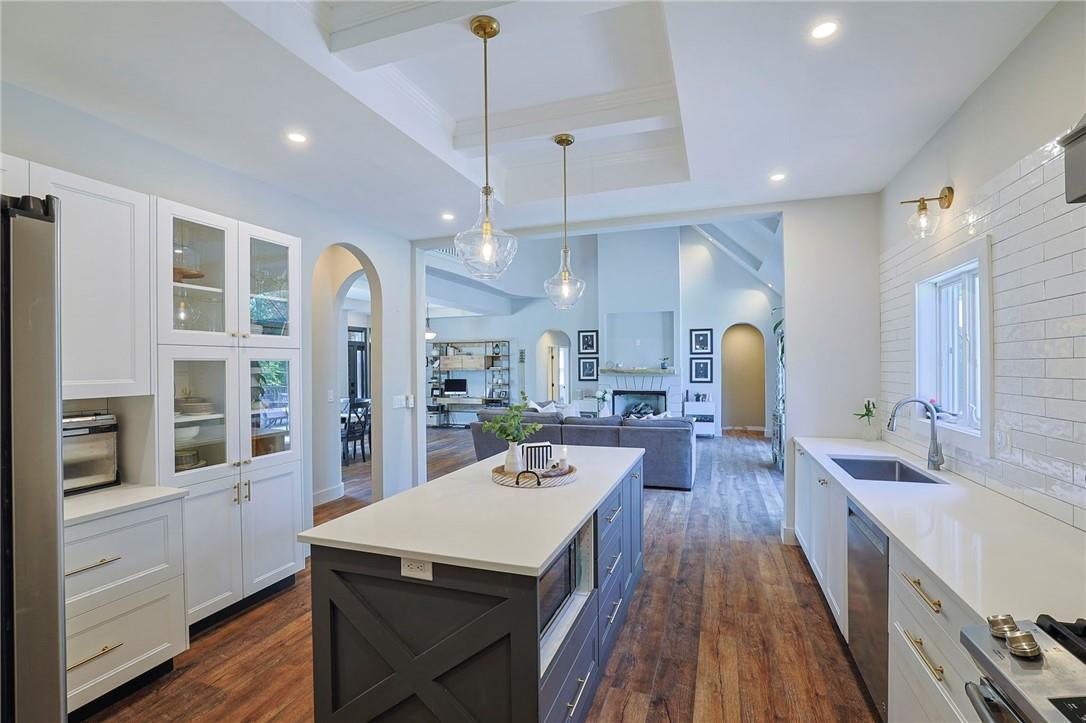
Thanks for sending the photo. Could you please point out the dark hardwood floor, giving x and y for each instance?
(726, 625)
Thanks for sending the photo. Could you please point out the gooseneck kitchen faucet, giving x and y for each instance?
(935, 450)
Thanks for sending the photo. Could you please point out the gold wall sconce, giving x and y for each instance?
(924, 221)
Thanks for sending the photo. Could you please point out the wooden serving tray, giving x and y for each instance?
(531, 480)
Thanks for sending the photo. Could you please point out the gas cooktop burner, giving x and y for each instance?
(1072, 636)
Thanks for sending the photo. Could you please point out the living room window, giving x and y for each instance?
(949, 343)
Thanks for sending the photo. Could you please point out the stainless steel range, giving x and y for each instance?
(1031, 672)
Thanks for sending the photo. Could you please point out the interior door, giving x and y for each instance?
(213, 560)
(198, 413)
(197, 276)
(269, 273)
(105, 271)
(271, 410)
(271, 520)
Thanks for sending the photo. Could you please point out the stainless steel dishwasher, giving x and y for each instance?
(868, 599)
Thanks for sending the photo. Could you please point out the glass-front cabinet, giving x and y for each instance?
(226, 283)
(197, 282)
(270, 380)
(198, 414)
(269, 274)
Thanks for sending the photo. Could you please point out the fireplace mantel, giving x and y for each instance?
(639, 371)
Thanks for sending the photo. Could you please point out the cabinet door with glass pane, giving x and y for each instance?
(269, 276)
(197, 277)
(271, 408)
(198, 414)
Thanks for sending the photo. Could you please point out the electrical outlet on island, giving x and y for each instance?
(419, 569)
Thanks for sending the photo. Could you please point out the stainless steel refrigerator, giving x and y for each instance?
(32, 676)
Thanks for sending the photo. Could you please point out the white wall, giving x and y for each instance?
(43, 130)
(997, 153)
(1035, 95)
(717, 293)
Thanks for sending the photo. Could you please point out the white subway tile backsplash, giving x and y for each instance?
(1064, 285)
(1054, 168)
(1020, 367)
(1023, 332)
(1080, 517)
(1071, 451)
(1031, 180)
(1058, 388)
(1046, 426)
(1066, 368)
(1066, 326)
(1070, 410)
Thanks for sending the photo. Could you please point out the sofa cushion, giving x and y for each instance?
(613, 421)
(590, 435)
(670, 422)
(486, 415)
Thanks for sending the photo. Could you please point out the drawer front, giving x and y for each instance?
(574, 698)
(611, 563)
(929, 598)
(562, 665)
(609, 516)
(111, 645)
(613, 605)
(940, 666)
(112, 557)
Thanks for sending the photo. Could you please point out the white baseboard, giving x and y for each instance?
(788, 535)
(747, 429)
(328, 494)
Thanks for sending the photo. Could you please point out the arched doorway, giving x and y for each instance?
(742, 378)
(339, 269)
(552, 353)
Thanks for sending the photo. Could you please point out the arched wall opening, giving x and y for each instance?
(553, 377)
(337, 269)
(742, 378)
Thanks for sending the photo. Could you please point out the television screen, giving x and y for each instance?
(456, 386)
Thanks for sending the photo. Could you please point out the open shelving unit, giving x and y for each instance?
(484, 363)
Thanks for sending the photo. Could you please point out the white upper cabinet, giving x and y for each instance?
(269, 274)
(105, 270)
(269, 392)
(14, 176)
(197, 276)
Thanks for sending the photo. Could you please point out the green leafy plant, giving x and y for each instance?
(510, 426)
(868, 413)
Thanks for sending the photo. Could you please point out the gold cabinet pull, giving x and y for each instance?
(102, 651)
(91, 566)
(614, 565)
(935, 605)
(614, 613)
(918, 646)
(614, 515)
(583, 682)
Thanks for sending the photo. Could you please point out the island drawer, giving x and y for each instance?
(611, 563)
(111, 557)
(574, 697)
(582, 632)
(613, 605)
(609, 516)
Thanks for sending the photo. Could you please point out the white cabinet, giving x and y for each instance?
(241, 536)
(225, 283)
(212, 547)
(14, 176)
(271, 518)
(821, 529)
(105, 271)
(271, 414)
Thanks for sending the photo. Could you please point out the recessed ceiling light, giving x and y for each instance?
(296, 137)
(448, 217)
(778, 177)
(824, 30)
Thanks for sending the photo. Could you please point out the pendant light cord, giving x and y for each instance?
(565, 203)
(486, 130)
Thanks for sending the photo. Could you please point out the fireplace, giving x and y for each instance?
(638, 402)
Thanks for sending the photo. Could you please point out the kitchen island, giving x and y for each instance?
(465, 600)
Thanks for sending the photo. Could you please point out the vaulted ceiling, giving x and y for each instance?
(676, 106)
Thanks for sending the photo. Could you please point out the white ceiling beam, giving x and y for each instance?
(624, 112)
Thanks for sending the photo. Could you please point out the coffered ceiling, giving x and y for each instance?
(676, 106)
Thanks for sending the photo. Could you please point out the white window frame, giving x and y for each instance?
(972, 432)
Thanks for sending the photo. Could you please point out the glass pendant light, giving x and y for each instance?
(430, 334)
(925, 221)
(564, 289)
(484, 249)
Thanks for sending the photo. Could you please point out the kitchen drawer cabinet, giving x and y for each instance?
(583, 630)
(928, 596)
(609, 517)
(574, 698)
(821, 530)
(611, 563)
(112, 557)
(803, 482)
(633, 525)
(613, 606)
(14, 176)
(835, 570)
(114, 643)
(916, 660)
(105, 280)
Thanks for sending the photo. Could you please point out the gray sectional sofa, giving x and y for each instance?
(668, 443)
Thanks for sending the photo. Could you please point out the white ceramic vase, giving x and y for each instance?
(513, 462)
(872, 432)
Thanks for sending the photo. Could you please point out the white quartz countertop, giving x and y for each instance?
(112, 500)
(465, 519)
(995, 554)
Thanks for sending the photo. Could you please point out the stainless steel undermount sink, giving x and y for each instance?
(883, 470)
